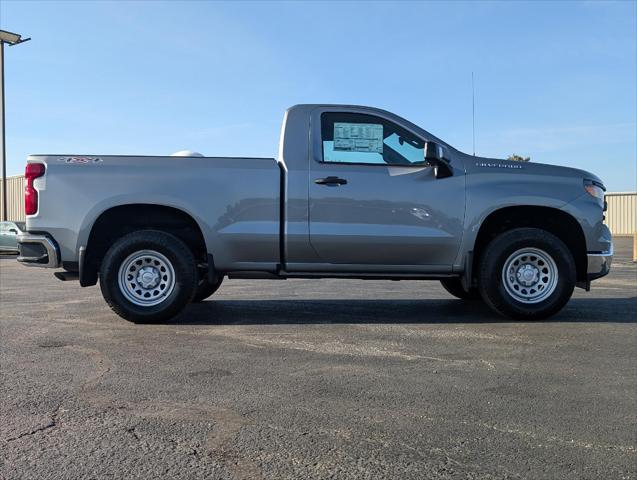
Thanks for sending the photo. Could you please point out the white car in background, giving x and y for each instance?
(9, 235)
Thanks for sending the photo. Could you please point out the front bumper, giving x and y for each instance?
(599, 264)
(38, 250)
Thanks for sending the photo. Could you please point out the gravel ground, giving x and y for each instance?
(317, 379)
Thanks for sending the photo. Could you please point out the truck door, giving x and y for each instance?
(373, 200)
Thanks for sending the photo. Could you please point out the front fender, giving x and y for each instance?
(490, 192)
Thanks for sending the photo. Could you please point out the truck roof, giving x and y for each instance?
(306, 108)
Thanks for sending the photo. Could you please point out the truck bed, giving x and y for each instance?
(235, 201)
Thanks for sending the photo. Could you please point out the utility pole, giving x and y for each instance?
(473, 114)
(10, 39)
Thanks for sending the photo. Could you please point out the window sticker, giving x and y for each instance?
(358, 137)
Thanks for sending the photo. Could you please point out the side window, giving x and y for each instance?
(359, 138)
(4, 227)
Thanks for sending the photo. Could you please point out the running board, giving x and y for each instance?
(283, 275)
(254, 275)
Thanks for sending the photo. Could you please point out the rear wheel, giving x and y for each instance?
(148, 276)
(527, 273)
(455, 288)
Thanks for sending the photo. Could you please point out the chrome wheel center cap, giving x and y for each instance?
(527, 274)
(148, 277)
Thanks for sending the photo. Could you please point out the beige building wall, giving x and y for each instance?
(15, 198)
(621, 216)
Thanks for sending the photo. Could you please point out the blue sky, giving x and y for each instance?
(556, 81)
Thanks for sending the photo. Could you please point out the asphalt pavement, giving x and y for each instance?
(306, 379)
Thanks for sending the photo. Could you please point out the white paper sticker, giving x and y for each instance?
(358, 137)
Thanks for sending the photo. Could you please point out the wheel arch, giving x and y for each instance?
(558, 222)
(117, 221)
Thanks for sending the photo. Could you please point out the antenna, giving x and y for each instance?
(473, 114)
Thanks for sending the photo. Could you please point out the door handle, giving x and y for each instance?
(331, 181)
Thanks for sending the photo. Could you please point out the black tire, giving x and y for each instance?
(504, 247)
(455, 288)
(205, 289)
(174, 251)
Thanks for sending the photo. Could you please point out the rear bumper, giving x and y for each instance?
(38, 250)
(599, 264)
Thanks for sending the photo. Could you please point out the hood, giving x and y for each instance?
(484, 165)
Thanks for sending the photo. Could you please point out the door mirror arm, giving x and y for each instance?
(434, 155)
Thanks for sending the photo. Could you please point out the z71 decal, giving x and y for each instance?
(80, 160)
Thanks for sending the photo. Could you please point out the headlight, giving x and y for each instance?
(595, 189)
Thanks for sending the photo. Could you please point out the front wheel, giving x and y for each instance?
(527, 274)
(148, 276)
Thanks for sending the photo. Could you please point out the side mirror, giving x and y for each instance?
(13, 230)
(435, 156)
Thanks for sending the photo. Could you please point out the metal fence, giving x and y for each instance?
(15, 198)
(621, 216)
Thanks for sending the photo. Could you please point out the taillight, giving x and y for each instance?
(33, 171)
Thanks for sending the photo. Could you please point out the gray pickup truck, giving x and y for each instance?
(356, 192)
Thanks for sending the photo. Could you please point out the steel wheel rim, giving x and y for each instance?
(530, 275)
(146, 278)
